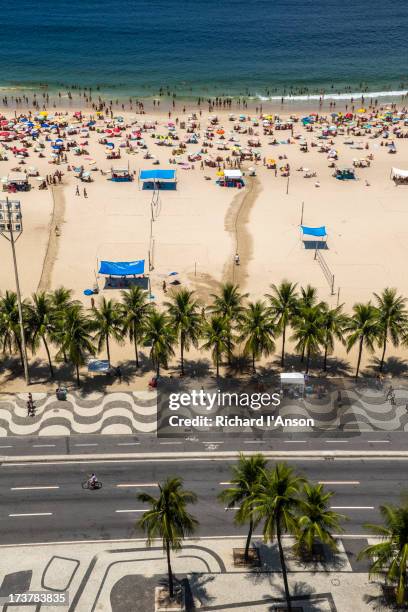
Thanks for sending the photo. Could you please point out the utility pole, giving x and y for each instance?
(14, 224)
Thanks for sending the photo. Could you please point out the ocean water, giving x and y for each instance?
(262, 48)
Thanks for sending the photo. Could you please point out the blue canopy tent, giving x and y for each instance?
(123, 274)
(316, 232)
(122, 268)
(158, 179)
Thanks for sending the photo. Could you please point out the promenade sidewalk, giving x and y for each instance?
(120, 576)
(363, 408)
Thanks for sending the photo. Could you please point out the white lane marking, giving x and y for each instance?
(33, 488)
(225, 483)
(231, 508)
(129, 510)
(87, 444)
(295, 441)
(7, 446)
(339, 482)
(171, 443)
(335, 441)
(352, 507)
(43, 445)
(128, 443)
(34, 514)
(211, 442)
(142, 484)
(378, 441)
(254, 442)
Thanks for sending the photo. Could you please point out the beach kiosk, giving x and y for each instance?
(158, 179)
(231, 178)
(292, 383)
(17, 181)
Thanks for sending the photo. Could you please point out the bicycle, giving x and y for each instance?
(97, 485)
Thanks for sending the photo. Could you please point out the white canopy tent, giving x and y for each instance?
(292, 380)
(398, 173)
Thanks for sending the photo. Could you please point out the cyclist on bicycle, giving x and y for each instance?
(92, 480)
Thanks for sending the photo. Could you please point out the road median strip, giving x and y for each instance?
(203, 456)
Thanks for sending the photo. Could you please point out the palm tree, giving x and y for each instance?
(307, 299)
(161, 337)
(393, 319)
(61, 301)
(134, 311)
(334, 323)
(362, 328)
(10, 324)
(215, 333)
(41, 319)
(256, 330)
(228, 304)
(308, 332)
(283, 303)
(316, 522)
(245, 479)
(391, 554)
(277, 503)
(107, 324)
(185, 316)
(168, 518)
(76, 340)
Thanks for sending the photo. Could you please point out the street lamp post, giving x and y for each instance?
(11, 228)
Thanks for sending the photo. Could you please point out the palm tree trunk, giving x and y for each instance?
(307, 360)
(158, 368)
(248, 540)
(253, 361)
(303, 354)
(182, 354)
(283, 346)
(217, 363)
(283, 566)
(383, 353)
(169, 572)
(360, 350)
(20, 350)
(49, 357)
(135, 343)
(107, 347)
(326, 346)
(77, 375)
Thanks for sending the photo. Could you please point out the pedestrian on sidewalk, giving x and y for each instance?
(77, 191)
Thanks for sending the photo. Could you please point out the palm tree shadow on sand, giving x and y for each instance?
(392, 365)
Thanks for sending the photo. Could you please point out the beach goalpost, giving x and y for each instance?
(326, 270)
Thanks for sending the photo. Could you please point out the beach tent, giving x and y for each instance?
(158, 179)
(157, 175)
(231, 178)
(122, 268)
(399, 176)
(315, 232)
(398, 173)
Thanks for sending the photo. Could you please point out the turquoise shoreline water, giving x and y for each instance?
(262, 48)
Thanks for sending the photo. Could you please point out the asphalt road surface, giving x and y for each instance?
(142, 443)
(44, 502)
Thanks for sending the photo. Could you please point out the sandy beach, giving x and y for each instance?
(200, 226)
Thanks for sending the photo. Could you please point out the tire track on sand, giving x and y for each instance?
(51, 253)
(236, 223)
